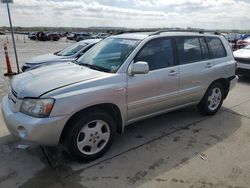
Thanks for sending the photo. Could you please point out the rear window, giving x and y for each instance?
(189, 49)
(216, 48)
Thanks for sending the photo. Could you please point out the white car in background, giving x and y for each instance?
(242, 56)
(70, 53)
(102, 35)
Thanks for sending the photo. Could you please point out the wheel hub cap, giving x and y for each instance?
(214, 99)
(93, 137)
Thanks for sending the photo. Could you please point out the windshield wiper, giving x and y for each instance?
(75, 61)
(95, 67)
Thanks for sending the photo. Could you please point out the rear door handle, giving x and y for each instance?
(172, 73)
(209, 65)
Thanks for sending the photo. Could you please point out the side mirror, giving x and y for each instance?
(139, 67)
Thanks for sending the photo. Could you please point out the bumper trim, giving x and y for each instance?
(233, 81)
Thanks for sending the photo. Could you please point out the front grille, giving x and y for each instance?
(243, 60)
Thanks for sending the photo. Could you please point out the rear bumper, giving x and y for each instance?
(233, 81)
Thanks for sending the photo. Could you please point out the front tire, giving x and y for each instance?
(212, 100)
(90, 135)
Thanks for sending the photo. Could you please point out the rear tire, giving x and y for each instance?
(212, 100)
(90, 135)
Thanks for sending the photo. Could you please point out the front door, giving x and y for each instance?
(157, 90)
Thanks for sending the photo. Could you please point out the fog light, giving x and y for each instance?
(22, 132)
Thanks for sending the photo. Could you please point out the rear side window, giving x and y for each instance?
(204, 48)
(216, 47)
(189, 49)
(158, 53)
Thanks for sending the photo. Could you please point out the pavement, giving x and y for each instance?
(178, 149)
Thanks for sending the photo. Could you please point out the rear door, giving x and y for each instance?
(158, 90)
(196, 68)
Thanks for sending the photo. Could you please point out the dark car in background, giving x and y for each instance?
(52, 36)
(79, 36)
(82, 36)
(32, 35)
(44, 36)
(70, 36)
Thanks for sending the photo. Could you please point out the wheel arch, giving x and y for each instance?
(225, 83)
(110, 108)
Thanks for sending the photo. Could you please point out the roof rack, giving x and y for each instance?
(185, 30)
(134, 31)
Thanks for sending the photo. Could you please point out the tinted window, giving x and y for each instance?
(158, 53)
(215, 47)
(189, 49)
(204, 48)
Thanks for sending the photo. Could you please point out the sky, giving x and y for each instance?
(207, 14)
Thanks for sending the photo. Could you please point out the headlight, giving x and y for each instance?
(40, 108)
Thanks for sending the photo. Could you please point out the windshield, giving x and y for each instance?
(109, 54)
(71, 50)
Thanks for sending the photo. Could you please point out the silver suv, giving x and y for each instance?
(121, 80)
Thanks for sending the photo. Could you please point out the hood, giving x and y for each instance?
(242, 53)
(47, 58)
(36, 82)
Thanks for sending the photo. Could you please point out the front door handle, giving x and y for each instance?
(172, 73)
(209, 65)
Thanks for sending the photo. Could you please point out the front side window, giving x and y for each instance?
(158, 53)
(215, 47)
(109, 54)
(189, 49)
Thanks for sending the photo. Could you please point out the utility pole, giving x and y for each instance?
(12, 33)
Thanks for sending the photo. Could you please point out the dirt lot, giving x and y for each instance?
(179, 149)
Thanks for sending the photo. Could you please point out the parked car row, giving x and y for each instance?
(83, 36)
(120, 80)
(55, 36)
(44, 36)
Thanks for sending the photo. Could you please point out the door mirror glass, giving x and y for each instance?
(139, 67)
